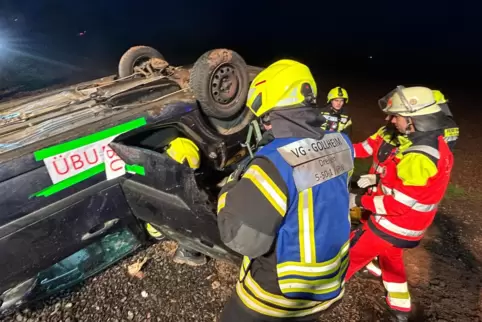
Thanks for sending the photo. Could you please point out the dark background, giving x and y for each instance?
(432, 43)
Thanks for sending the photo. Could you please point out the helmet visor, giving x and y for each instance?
(395, 102)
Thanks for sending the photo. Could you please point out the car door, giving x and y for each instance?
(38, 230)
(168, 195)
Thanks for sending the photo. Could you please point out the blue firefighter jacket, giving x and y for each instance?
(313, 240)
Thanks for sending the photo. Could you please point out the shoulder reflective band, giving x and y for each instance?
(425, 149)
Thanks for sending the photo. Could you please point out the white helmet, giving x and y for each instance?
(409, 102)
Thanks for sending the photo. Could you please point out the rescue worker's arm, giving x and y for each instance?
(366, 148)
(250, 210)
(413, 173)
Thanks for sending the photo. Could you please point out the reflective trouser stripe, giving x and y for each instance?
(398, 296)
(254, 303)
(315, 269)
(268, 188)
(374, 269)
(408, 201)
(388, 225)
(306, 224)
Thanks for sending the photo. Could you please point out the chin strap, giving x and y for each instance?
(409, 124)
(253, 126)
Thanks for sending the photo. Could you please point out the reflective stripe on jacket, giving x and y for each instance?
(413, 182)
(338, 121)
(258, 216)
(312, 245)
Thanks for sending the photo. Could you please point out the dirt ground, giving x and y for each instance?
(444, 271)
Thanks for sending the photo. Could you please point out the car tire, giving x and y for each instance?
(219, 80)
(134, 56)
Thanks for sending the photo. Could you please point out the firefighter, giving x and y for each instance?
(451, 129)
(410, 182)
(287, 210)
(335, 115)
(183, 151)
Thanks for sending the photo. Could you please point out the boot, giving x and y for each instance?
(189, 257)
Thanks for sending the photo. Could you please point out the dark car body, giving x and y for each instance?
(66, 225)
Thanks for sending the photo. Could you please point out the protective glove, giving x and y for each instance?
(352, 200)
(367, 180)
(230, 181)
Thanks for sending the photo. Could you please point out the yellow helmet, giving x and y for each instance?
(184, 150)
(337, 92)
(439, 97)
(409, 101)
(285, 83)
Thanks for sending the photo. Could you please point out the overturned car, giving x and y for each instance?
(84, 169)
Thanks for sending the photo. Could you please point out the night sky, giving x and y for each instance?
(438, 42)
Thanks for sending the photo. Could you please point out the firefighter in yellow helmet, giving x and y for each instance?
(186, 152)
(451, 129)
(335, 113)
(287, 210)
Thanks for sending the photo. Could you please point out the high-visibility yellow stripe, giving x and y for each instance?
(268, 188)
(269, 181)
(252, 303)
(221, 202)
(400, 295)
(321, 281)
(274, 298)
(306, 227)
(326, 264)
(399, 300)
(244, 267)
(319, 290)
(301, 224)
(313, 270)
(311, 219)
(323, 286)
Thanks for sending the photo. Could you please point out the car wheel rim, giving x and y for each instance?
(224, 84)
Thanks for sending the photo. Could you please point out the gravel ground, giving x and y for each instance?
(444, 272)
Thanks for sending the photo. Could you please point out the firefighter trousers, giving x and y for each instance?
(365, 246)
(236, 311)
